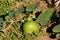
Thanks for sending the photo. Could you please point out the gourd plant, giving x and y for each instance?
(21, 28)
(9, 22)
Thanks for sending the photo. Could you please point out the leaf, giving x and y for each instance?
(16, 11)
(20, 9)
(18, 25)
(45, 16)
(7, 17)
(56, 28)
(58, 35)
(11, 14)
(0, 28)
(31, 7)
(1, 20)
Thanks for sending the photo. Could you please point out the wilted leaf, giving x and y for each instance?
(56, 28)
(45, 16)
(31, 7)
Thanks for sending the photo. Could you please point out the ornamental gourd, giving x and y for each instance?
(30, 26)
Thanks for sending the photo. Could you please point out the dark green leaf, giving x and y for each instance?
(16, 11)
(45, 16)
(56, 28)
(31, 7)
(20, 9)
(11, 14)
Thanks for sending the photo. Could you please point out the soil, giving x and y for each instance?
(45, 37)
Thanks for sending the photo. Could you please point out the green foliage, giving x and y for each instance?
(38, 33)
(28, 36)
(3, 34)
(31, 7)
(16, 32)
(12, 29)
(1, 20)
(16, 11)
(7, 17)
(20, 9)
(45, 16)
(17, 25)
(57, 28)
(0, 28)
(13, 13)
(4, 6)
(58, 35)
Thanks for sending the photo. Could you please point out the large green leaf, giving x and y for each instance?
(45, 16)
(56, 28)
(31, 7)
